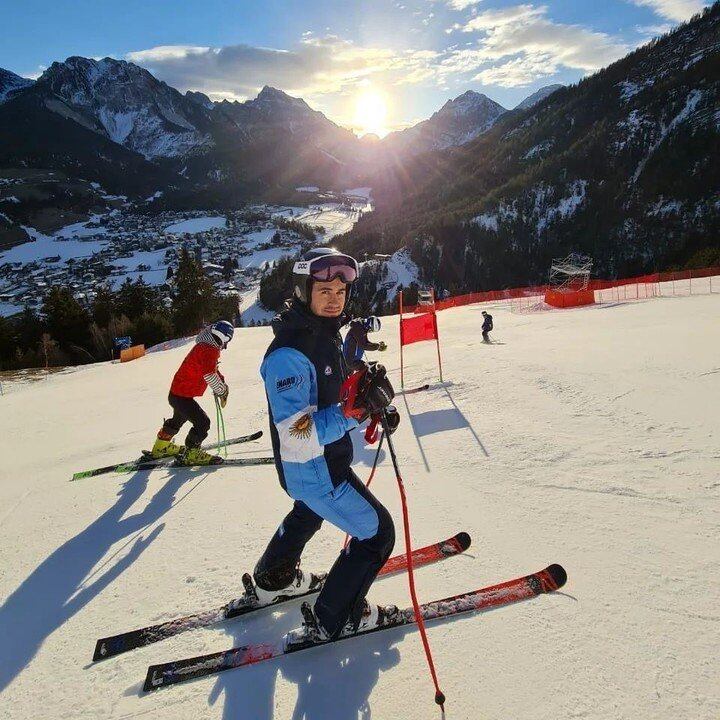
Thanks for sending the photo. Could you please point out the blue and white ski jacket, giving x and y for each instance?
(303, 372)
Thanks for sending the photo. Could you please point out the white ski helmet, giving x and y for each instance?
(372, 323)
(322, 265)
(223, 332)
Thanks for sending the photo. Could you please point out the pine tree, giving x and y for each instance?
(136, 298)
(68, 322)
(193, 296)
(103, 306)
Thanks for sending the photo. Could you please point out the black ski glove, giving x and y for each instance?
(392, 418)
(376, 391)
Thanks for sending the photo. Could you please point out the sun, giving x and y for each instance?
(370, 113)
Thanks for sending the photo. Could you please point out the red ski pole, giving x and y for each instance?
(439, 695)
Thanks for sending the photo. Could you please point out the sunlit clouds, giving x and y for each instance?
(472, 44)
(676, 10)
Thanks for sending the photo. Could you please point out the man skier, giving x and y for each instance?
(487, 326)
(198, 370)
(303, 371)
(357, 342)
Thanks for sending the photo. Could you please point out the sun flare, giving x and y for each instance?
(370, 114)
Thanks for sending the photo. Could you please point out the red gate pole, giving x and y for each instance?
(402, 375)
(437, 343)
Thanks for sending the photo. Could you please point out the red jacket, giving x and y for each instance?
(189, 380)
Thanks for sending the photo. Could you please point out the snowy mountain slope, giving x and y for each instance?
(10, 83)
(46, 134)
(281, 141)
(584, 437)
(128, 105)
(537, 96)
(228, 149)
(638, 136)
(457, 122)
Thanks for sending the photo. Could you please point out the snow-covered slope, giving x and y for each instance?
(537, 96)
(457, 122)
(128, 105)
(587, 437)
(10, 83)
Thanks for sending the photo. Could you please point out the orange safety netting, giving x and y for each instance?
(645, 287)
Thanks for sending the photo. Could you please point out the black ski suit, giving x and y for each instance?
(487, 326)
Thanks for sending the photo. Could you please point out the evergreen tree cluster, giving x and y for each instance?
(68, 332)
(308, 232)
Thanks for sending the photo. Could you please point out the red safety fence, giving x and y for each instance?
(642, 287)
(572, 298)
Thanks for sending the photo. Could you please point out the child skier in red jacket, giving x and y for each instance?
(198, 370)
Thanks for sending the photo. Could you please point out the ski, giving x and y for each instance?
(544, 581)
(110, 646)
(133, 465)
(413, 390)
(225, 462)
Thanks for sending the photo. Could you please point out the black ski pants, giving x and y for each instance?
(185, 409)
(355, 569)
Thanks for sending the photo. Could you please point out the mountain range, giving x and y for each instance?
(112, 122)
(622, 166)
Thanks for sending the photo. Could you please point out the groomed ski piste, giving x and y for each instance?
(586, 437)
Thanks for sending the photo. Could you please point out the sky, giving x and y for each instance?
(370, 65)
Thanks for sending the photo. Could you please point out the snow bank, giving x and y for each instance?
(252, 311)
(43, 246)
(81, 229)
(364, 192)
(197, 225)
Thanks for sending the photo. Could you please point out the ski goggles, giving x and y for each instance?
(327, 268)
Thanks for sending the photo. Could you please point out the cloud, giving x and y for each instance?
(315, 66)
(531, 45)
(493, 19)
(651, 31)
(518, 72)
(35, 75)
(676, 10)
(164, 53)
(510, 47)
(462, 4)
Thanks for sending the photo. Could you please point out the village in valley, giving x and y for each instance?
(235, 248)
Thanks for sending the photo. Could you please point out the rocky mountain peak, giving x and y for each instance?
(10, 83)
(537, 96)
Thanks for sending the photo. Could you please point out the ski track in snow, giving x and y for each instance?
(589, 437)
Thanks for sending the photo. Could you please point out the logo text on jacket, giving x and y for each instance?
(288, 383)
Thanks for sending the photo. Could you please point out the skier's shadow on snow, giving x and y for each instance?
(63, 583)
(333, 683)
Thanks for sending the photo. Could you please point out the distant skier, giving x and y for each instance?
(198, 370)
(357, 341)
(303, 371)
(487, 326)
